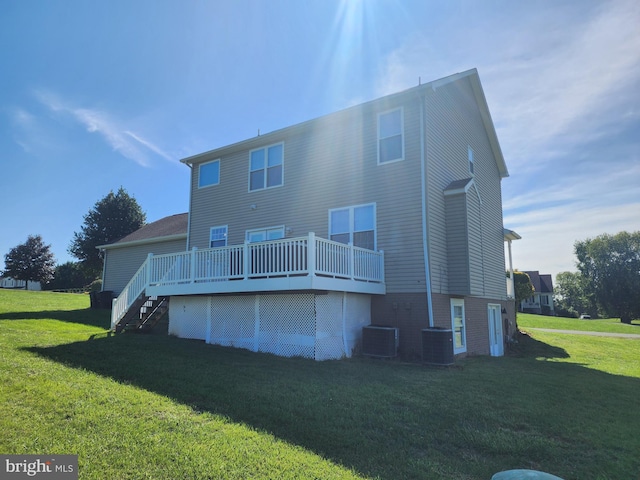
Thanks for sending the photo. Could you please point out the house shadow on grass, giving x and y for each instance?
(383, 419)
(528, 347)
(86, 316)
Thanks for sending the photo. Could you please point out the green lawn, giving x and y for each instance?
(611, 325)
(158, 407)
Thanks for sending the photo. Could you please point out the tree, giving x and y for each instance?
(112, 218)
(524, 287)
(571, 295)
(69, 275)
(30, 261)
(610, 265)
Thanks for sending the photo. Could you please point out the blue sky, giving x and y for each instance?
(98, 95)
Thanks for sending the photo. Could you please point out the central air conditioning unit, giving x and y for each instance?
(437, 346)
(380, 341)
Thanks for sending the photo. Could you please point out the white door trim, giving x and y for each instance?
(496, 336)
(459, 331)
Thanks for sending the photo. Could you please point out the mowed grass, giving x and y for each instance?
(608, 325)
(153, 406)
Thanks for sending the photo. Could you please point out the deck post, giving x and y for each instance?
(311, 254)
(246, 263)
(381, 266)
(352, 261)
(192, 273)
(149, 269)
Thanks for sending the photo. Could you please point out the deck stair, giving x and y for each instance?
(143, 314)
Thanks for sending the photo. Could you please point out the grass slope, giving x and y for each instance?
(608, 325)
(153, 406)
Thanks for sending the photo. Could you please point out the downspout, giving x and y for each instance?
(423, 180)
(188, 245)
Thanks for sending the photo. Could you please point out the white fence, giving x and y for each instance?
(308, 255)
(287, 257)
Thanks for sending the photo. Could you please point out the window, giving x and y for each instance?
(264, 234)
(470, 156)
(458, 325)
(218, 237)
(390, 136)
(356, 225)
(266, 167)
(209, 174)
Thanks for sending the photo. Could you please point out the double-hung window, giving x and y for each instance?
(266, 167)
(355, 225)
(218, 237)
(209, 174)
(470, 156)
(390, 136)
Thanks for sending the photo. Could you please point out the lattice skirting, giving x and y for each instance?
(322, 327)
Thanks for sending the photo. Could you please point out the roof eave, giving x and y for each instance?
(143, 241)
(488, 123)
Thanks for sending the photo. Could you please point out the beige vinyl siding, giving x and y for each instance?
(476, 243)
(122, 263)
(457, 245)
(328, 163)
(453, 123)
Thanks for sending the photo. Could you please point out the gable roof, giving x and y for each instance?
(476, 87)
(546, 283)
(541, 283)
(173, 227)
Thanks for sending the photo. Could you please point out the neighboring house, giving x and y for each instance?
(542, 300)
(8, 282)
(123, 258)
(387, 213)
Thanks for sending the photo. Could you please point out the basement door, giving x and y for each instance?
(496, 343)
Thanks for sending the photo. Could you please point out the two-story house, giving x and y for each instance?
(386, 213)
(541, 302)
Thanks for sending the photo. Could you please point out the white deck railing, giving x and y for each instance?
(287, 257)
(131, 292)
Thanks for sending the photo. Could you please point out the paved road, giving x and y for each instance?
(584, 332)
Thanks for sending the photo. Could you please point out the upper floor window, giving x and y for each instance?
(355, 225)
(218, 237)
(266, 167)
(209, 174)
(470, 155)
(264, 234)
(390, 136)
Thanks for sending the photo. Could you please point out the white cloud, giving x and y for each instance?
(150, 146)
(114, 133)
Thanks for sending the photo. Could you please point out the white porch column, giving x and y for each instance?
(511, 291)
(509, 236)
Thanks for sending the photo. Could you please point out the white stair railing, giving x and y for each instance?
(130, 293)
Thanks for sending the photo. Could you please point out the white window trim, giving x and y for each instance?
(401, 133)
(210, 184)
(254, 230)
(459, 302)
(266, 148)
(351, 209)
(226, 235)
